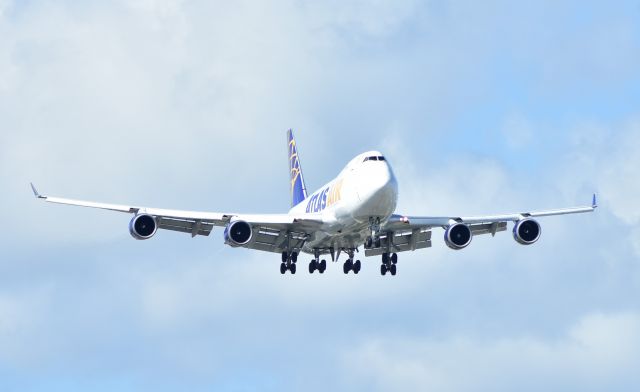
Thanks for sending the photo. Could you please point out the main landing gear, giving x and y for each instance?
(389, 262)
(288, 262)
(316, 264)
(350, 265)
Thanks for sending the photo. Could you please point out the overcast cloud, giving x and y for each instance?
(481, 107)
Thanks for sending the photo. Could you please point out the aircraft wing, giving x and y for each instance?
(478, 224)
(271, 231)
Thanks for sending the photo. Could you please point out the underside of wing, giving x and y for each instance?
(268, 232)
(459, 229)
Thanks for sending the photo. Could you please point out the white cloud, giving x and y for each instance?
(618, 176)
(371, 19)
(598, 351)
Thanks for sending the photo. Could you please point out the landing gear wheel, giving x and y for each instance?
(385, 258)
(392, 269)
(394, 259)
(292, 268)
(368, 243)
(294, 257)
(377, 243)
(356, 267)
(283, 268)
(348, 266)
(285, 256)
(383, 269)
(313, 265)
(323, 266)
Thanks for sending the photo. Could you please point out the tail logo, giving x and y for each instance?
(298, 189)
(294, 163)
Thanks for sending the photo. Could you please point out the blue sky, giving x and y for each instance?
(481, 107)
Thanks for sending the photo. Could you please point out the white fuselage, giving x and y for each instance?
(364, 189)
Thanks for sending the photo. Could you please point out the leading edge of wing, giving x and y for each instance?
(433, 221)
(215, 217)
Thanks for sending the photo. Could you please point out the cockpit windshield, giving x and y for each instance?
(374, 158)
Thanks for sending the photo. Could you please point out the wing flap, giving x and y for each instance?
(488, 228)
(401, 241)
(192, 227)
(269, 239)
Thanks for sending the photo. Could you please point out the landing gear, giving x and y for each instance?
(373, 241)
(347, 266)
(314, 265)
(389, 264)
(286, 256)
(288, 262)
(284, 267)
(351, 265)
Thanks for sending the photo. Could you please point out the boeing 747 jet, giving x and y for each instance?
(356, 209)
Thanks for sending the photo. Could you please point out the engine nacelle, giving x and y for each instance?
(458, 236)
(238, 233)
(143, 227)
(526, 231)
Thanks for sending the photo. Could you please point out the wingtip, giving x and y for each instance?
(594, 202)
(35, 192)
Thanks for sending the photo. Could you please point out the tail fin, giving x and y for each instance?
(298, 187)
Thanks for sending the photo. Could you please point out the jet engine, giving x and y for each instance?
(238, 233)
(457, 236)
(143, 227)
(526, 231)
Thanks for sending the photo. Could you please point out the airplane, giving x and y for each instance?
(354, 209)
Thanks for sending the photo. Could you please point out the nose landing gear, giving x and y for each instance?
(373, 241)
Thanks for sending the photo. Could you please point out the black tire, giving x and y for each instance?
(368, 243)
(312, 266)
(323, 266)
(377, 243)
(294, 257)
(285, 256)
(385, 258)
(292, 268)
(356, 266)
(283, 268)
(345, 267)
(394, 258)
(393, 269)
(383, 269)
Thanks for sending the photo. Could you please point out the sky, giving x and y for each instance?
(480, 107)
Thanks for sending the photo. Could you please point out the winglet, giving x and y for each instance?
(35, 192)
(594, 202)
